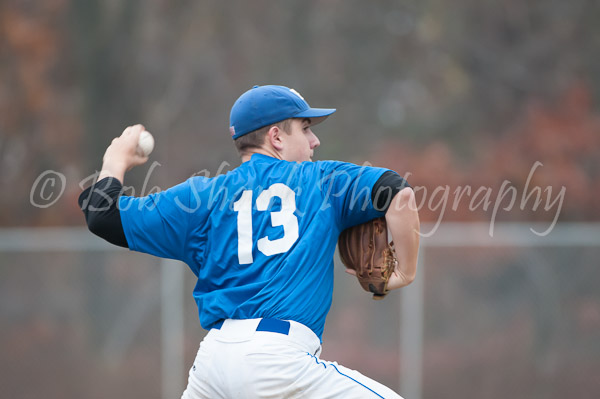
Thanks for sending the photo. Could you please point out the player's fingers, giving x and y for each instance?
(137, 129)
(138, 160)
(133, 130)
(126, 131)
(135, 133)
(131, 136)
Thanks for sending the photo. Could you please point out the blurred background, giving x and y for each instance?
(467, 93)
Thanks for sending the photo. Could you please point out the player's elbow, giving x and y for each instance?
(107, 226)
(96, 223)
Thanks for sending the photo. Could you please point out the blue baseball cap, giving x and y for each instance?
(265, 105)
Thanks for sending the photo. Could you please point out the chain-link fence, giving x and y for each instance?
(510, 315)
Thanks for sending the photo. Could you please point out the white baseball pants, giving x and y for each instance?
(239, 362)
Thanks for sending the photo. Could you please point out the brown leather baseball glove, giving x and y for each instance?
(365, 249)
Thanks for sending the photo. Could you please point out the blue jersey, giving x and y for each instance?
(260, 238)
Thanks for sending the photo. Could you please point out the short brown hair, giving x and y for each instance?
(256, 138)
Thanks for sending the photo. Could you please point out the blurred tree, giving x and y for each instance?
(444, 81)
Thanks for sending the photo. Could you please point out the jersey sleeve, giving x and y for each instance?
(158, 224)
(347, 189)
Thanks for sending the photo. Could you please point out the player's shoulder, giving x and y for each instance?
(341, 167)
(205, 179)
(239, 176)
(329, 164)
(317, 169)
(340, 172)
(198, 182)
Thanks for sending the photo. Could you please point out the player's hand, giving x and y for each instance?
(121, 154)
(122, 150)
(398, 280)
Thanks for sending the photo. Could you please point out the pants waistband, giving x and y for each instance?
(266, 324)
(233, 330)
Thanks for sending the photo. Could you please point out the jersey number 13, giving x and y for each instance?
(284, 217)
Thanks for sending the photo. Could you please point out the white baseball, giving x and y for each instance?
(145, 144)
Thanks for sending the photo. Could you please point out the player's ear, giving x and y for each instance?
(274, 137)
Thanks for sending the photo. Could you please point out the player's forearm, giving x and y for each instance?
(402, 219)
(112, 168)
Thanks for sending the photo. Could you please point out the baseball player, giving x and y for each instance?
(261, 240)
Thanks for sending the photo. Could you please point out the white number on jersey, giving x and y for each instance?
(285, 218)
(244, 225)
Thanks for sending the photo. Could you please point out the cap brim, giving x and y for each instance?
(316, 115)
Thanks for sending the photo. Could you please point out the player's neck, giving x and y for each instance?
(270, 152)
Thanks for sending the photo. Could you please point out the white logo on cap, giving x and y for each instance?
(296, 93)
